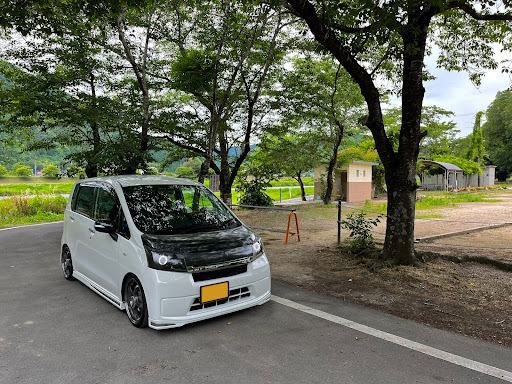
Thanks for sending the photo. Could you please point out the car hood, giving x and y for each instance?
(203, 249)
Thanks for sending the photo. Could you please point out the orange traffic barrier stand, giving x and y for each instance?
(288, 234)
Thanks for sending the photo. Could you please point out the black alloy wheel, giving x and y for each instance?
(67, 264)
(135, 301)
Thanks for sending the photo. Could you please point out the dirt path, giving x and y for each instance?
(468, 298)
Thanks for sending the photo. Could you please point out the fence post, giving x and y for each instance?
(339, 222)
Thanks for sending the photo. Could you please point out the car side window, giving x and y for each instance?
(84, 200)
(106, 207)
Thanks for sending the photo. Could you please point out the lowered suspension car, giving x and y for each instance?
(166, 250)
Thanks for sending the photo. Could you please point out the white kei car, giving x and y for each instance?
(166, 250)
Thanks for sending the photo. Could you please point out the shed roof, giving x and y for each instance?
(447, 166)
(363, 162)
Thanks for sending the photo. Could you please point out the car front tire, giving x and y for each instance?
(135, 301)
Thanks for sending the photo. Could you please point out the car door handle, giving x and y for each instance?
(71, 218)
(92, 231)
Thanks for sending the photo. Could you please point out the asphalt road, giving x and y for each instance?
(56, 331)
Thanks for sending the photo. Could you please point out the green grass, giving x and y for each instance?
(274, 193)
(21, 210)
(434, 200)
(285, 193)
(287, 182)
(34, 186)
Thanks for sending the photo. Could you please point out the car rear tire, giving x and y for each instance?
(135, 301)
(67, 264)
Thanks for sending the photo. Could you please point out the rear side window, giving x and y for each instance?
(84, 201)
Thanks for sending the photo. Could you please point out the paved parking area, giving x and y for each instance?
(55, 331)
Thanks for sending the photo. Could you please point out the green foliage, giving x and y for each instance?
(468, 166)
(34, 186)
(360, 227)
(21, 171)
(253, 193)
(3, 171)
(76, 171)
(51, 171)
(22, 210)
(497, 132)
(476, 149)
(440, 134)
(194, 163)
(151, 171)
(289, 182)
(193, 71)
(185, 172)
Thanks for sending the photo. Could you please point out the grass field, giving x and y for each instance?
(12, 186)
(22, 210)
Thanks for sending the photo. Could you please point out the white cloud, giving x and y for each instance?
(455, 92)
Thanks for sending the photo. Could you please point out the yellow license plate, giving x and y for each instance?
(214, 292)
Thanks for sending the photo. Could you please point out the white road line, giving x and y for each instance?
(454, 359)
(30, 225)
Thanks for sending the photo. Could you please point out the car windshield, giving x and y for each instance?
(171, 209)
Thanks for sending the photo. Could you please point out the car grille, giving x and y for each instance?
(219, 273)
(234, 295)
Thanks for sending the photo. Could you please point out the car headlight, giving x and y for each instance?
(257, 249)
(165, 261)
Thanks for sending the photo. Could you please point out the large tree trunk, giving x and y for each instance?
(401, 166)
(399, 241)
(332, 165)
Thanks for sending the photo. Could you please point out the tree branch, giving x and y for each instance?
(186, 146)
(474, 14)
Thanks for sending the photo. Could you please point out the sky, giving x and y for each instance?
(454, 92)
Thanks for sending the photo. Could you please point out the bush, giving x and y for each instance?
(151, 171)
(360, 228)
(253, 193)
(76, 171)
(23, 210)
(3, 171)
(185, 172)
(22, 171)
(51, 171)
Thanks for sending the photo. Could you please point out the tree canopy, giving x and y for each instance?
(497, 132)
(389, 40)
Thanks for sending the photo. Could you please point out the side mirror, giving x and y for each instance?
(105, 227)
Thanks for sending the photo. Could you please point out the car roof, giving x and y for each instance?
(131, 180)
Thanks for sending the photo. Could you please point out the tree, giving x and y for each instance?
(185, 172)
(389, 41)
(51, 171)
(21, 171)
(469, 167)
(440, 135)
(318, 96)
(3, 171)
(497, 132)
(226, 53)
(289, 156)
(476, 148)
(70, 85)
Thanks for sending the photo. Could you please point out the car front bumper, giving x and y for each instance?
(173, 298)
